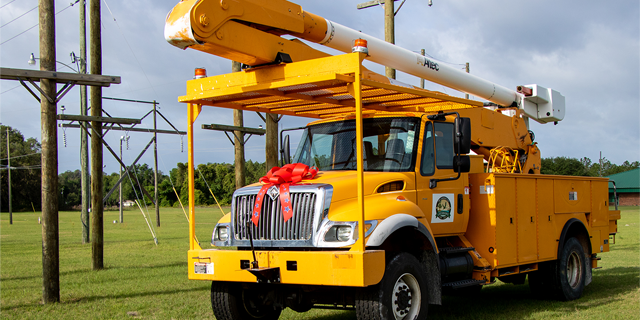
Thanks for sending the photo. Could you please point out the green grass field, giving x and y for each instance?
(152, 280)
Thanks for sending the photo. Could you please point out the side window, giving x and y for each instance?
(372, 159)
(444, 145)
(427, 164)
(320, 155)
(302, 152)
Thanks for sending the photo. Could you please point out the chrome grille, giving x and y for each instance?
(271, 225)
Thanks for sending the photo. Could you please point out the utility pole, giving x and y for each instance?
(389, 32)
(389, 25)
(466, 95)
(422, 52)
(271, 141)
(155, 162)
(9, 176)
(97, 223)
(238, 121)
(49, 140)
(600, 165)
(120, 184)
(271, 156)
(84, 148)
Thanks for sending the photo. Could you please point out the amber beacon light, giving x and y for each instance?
(360, 45)
(200, 73)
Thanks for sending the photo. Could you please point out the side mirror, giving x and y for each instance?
(461, 164)
(462, 141)
(286, 154)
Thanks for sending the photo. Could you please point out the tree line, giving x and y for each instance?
(216, 178)
(584, 167)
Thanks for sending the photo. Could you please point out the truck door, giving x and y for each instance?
(442, 204)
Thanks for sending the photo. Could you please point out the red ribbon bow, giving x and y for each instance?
(282, 177)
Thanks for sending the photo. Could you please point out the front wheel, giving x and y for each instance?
(230, 301)
(402, 293)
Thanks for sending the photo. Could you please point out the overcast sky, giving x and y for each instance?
(587, 50)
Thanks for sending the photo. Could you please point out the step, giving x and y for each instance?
(464, 283)
(452, 250)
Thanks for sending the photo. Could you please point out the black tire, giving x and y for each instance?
(230, 301)
(571, 272)
(563, 279)
(402, 293)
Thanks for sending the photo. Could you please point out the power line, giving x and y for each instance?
(10, 89)
(70, 5)
(127, 42)
(6, 4)
(24, 155)
(18, 35)
(18, 17)
(21, 168)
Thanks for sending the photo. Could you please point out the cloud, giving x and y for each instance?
(588, 51)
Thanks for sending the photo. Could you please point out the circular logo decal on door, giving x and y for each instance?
(443, 208)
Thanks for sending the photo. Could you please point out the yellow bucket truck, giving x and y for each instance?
(395, 194)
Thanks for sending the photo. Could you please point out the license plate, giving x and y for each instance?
(203, 268)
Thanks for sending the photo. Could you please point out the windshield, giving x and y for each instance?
(389, 144)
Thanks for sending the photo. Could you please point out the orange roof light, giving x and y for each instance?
(200, 73)
(360, 45)
(361, 42)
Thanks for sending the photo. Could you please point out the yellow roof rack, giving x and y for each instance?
(318, 88)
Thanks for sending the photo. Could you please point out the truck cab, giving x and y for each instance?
(403, 155)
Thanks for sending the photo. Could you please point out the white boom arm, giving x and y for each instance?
(216, 27)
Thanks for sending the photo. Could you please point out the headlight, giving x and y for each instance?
(221, 233)
(341, 233)
(344, 233)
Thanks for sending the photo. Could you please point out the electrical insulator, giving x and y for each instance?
(181, 144)
(64, 138)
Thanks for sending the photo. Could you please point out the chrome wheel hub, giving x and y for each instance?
(406, 297)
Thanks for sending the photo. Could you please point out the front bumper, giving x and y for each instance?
(330, 268)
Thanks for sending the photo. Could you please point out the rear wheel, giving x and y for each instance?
(570, 272)
(230, 301)
(563, 279)
(402, 293)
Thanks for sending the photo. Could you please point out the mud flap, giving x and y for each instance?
(588, 275)
(429, 260)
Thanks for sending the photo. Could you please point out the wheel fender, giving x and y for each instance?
(573, 223)
(391, 224)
